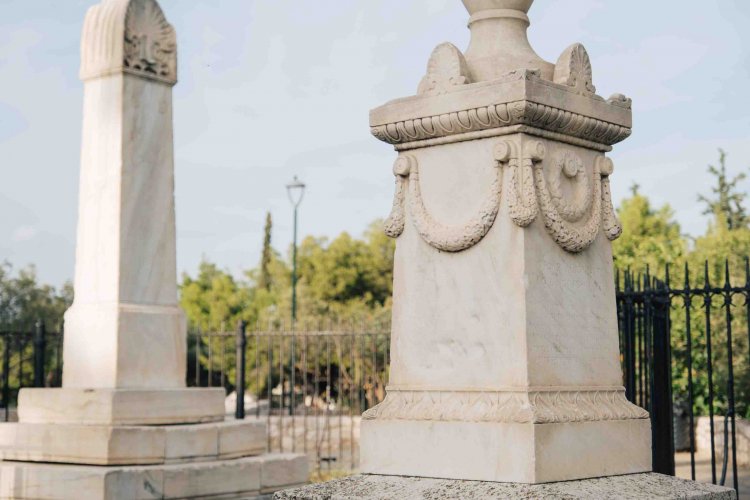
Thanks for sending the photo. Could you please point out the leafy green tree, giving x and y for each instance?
(214, 300)
(727, 201)
(719, 257)
(346, 282)
(24, 301)
(651, 237)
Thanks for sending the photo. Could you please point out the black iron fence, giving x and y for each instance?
(28, 359)
(685, 348)
(310, 385)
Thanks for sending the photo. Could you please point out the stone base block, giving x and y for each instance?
(121, 406)
(124, 344)
(108, 445)
(506, 452)
(634, 486)
(226, 479)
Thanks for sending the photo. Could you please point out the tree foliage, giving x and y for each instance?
(651, 237)
(24, 301)
(727, 202)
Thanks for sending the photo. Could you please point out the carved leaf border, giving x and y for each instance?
(536, 407)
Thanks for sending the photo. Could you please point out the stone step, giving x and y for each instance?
(223, 479)
(121, 406)
(131, 445)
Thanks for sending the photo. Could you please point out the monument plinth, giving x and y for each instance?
(505, 355)
(504, 351)
(124, 424)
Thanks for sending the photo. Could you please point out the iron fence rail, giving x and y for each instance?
(684, 337)
(29, 359)
(309, 386)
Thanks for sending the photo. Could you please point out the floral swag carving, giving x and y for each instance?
(573, 224)
(448, 238)
(536, 407)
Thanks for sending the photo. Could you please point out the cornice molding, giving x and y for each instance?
(501, 115)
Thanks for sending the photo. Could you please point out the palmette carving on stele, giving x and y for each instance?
(143, 43)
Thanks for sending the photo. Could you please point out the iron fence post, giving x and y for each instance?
(239, 371)
(40, 347)
(662, 432)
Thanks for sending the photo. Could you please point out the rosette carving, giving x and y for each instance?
(448, 238)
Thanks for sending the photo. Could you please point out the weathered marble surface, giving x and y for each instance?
(504, 347)
(509, 452)
(125, 445)
(224, 479)
(125, 329)
(630, 487)
(121, 406)
(124, 426)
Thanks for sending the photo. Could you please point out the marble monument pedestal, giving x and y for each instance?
(633, 486)
(137, 444)
(124, 426)
(506, 452)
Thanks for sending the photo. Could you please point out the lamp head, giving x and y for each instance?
(295, 190)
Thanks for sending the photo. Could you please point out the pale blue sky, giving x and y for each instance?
(273, 88)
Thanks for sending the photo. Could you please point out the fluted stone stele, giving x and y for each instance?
(124, 425)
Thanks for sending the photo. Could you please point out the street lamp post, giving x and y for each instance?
(295, 190)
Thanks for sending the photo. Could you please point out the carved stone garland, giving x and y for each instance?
(570, 237)
(521, 198)
(570, 166)
(612, 226)
(528, 191)
(448, 238)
